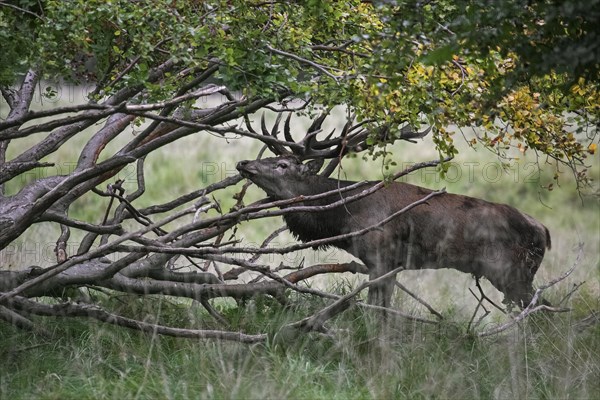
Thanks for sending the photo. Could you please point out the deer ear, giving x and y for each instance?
(314, 166)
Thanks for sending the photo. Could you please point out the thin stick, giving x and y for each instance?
(313, 243)
(483, 296)
(417, 298)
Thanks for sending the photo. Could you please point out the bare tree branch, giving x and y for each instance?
(417, 298)
(95, 312)
(315, 322)
(98, 252)
(311, 244)
(313, 64)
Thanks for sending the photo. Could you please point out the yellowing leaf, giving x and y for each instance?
(592, 148)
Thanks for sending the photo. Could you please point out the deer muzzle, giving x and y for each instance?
(246, 169)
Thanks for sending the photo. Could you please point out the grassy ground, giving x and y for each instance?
(546, 357)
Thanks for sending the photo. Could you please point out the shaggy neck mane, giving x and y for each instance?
(307, 226)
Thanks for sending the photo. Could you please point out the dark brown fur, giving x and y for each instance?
(490, 240)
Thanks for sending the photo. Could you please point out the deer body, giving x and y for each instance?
(494, 241)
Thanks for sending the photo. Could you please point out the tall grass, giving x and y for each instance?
(546, 357)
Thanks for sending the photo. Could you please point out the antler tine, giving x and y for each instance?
(275, 148)
(352, 138)
(248, 124)
(347, 127)
(408, 134)
(331, 134)
(286, 129)
(263, 125)
(309, 139)
(275, 129)
(317, 122)
(353, 135)
(357, 139)
(328, 142)
(288, 134)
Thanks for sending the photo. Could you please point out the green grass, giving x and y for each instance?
(545, 358)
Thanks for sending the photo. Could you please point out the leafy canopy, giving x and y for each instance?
(525, 73)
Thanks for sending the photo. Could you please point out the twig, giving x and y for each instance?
(479, 304)
(204, 251)
(304, 61)
(462, 79)
(398, 313)
(342, 49)
(590, 320)
(417, 298)
(114, 229)
(484, 297)
(268, 240)
(22, 10)
(213, 313)
(575, 287)
(481, 318)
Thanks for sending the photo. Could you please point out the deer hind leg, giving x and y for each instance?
(380, 294)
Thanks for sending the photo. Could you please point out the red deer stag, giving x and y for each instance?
(490, 240)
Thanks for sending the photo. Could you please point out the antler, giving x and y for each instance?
(353, 137)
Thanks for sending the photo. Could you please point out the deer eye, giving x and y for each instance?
(282, 165)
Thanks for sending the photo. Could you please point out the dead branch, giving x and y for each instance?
(259, 209)
(319, 67)
(486, 312)
(420, 300)
(484, 297)
(116, 229)
(268, 240)
(315, 322)
(202, 252)
(589, 321)
(61, 244)
(98, 252)
(95, 312)
(16, 319)
(566, 297)
(212, 312)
